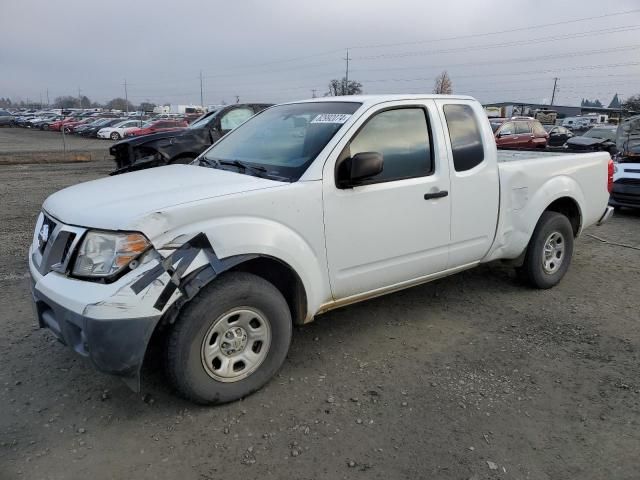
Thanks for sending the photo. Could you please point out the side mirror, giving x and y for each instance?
(363, 165)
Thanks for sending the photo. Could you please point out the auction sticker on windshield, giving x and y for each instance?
(331, 118)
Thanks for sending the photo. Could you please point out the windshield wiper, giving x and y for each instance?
(243, 166)
(216, 163)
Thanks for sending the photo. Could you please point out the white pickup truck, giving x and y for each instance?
(305, 207)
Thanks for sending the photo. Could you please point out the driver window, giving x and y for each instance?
(235, 117)
(402, 137)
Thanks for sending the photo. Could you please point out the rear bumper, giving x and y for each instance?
(608, 212)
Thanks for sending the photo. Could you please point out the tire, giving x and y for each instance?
(198, 374)
(115, 136)
(544, 267)
(181, 160)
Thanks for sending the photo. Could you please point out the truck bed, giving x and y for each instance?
(513, 155)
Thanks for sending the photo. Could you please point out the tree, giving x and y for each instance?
(67, 101)
(119, 104)
(588, 103)
(443, 84)
(632, 103)
(5, 102)
(85, 102)
(343, 87)
(147, 106)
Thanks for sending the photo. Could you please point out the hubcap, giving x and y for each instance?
(553, 253)
(236, 344)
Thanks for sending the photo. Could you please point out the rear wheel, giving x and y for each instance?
(230, 340)
(549, 252)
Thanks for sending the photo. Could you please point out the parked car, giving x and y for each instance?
(600, 138)
(90, 122)
(304, 208)
(57, 126)
(44, 123)
(157, 126)
(73, 125)
(6, 119)
(520, 133)
(184, 145)
(92, 131)
(558, 135)
(626, 178)
(117, 131)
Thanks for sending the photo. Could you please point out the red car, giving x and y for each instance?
(519, 132)
(157, 126)
(57, 126)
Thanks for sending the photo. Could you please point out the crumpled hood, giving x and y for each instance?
(121, 202)
(142, 139)
(586, 141)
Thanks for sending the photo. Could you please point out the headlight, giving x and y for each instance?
(103, 254)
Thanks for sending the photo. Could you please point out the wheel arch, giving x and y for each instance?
(570, 208)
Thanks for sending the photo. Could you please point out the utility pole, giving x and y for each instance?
(237, 99)
(313, 93)
(346, 76)
(126, 95)
(201, 94)
(48, 97)
(553, 95)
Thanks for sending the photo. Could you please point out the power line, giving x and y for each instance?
(604, 31)
(499, 32)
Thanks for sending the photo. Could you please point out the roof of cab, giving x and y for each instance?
(375, 99)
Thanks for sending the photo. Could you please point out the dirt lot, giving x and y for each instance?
(23, 145)
(470, 377)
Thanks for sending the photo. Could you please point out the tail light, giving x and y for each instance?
(610, 176)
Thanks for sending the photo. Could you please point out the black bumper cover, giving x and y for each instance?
(116, 347)
(625, 195)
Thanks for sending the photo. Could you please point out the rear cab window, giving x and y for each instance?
(467, 148)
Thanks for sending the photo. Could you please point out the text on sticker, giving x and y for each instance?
(331, 118)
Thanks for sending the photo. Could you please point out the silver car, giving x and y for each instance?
(6, 119)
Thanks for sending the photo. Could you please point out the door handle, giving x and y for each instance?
(440, 194)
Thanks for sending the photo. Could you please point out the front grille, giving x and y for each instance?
(56, 245)
(44, 235)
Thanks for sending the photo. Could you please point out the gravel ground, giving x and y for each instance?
(470, 377)
(24, 145)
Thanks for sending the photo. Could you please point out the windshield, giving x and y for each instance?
(606, 133)
(203, 120)
(282, 140)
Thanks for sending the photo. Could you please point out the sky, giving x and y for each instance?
(282, 50)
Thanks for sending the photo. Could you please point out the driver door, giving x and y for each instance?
(393, 228)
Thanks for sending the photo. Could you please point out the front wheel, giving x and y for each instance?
(115, 136)
(549, 252)
(230, 340)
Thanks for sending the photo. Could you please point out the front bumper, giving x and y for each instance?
(114, 346)
(110, 324)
